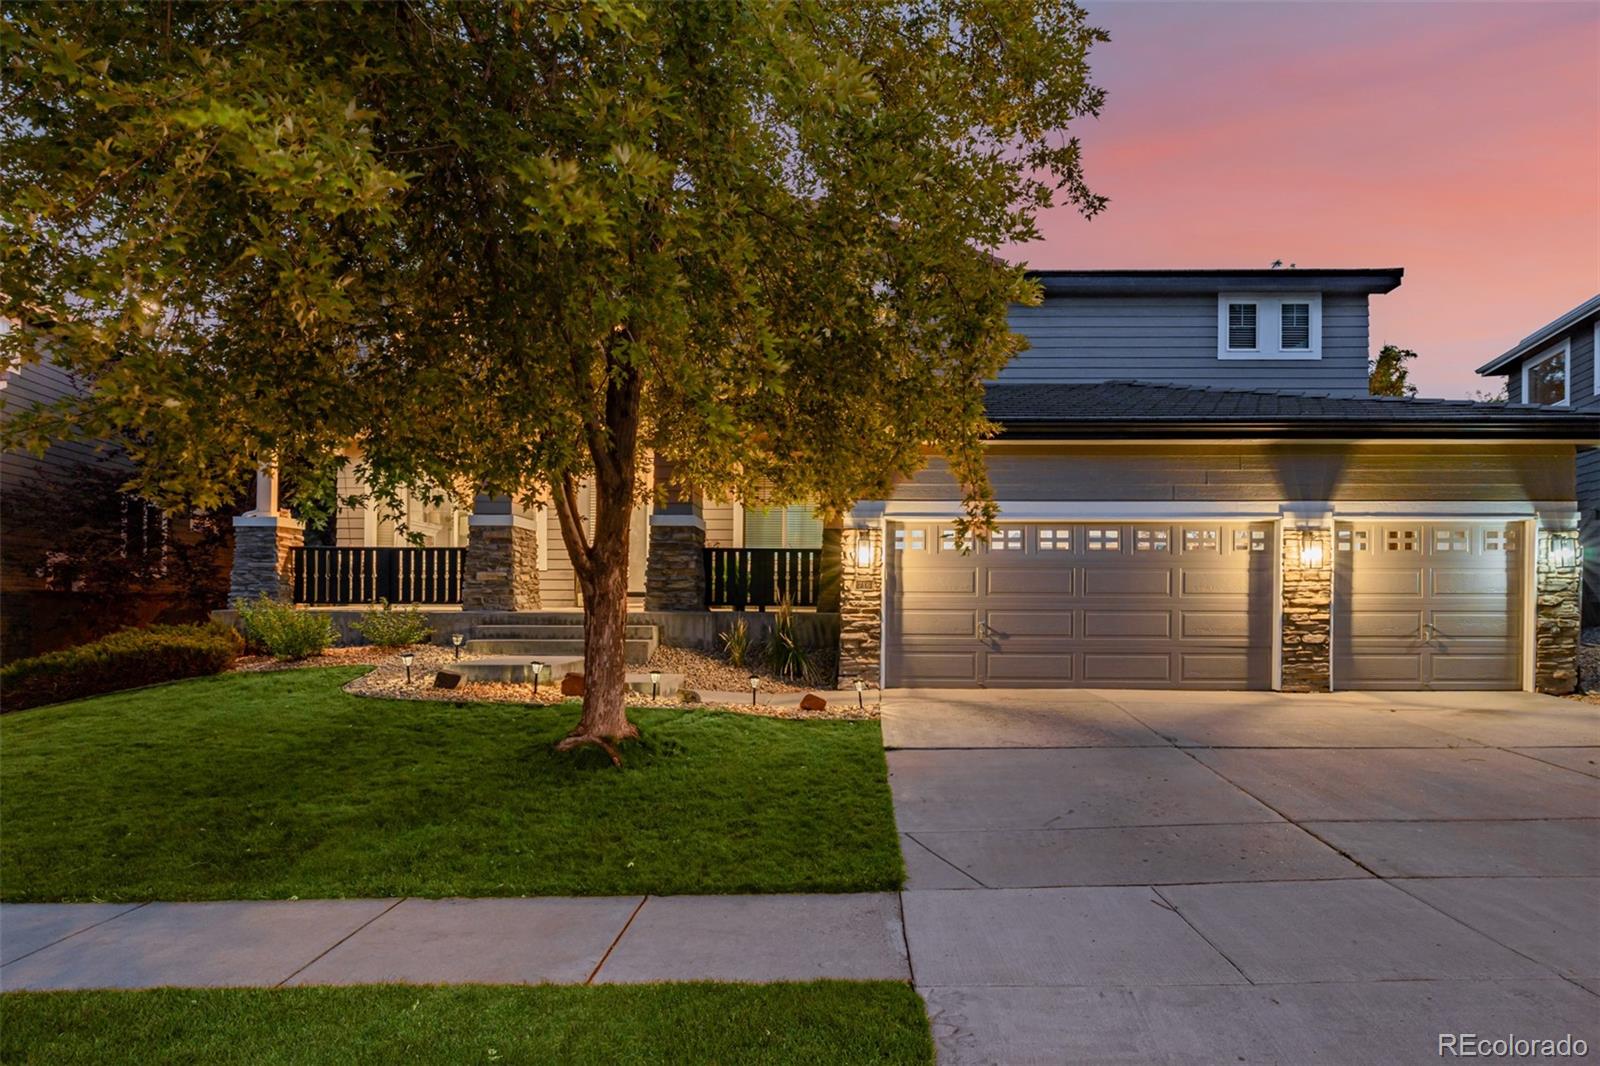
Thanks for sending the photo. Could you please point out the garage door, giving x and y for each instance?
(1427, 605)
(1147, 605)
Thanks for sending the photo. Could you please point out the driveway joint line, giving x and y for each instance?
(905, 939)
(616, 939)
(341, 940)
(1173, 907)
(1463, 923)
(75, 932)
(1546, 762)
(944, 860)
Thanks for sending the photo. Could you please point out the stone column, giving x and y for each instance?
(261, 556)
(861, 604)
(675, 570)
(1558, 582)
(1307, 561)
(262, 540)
(501, 571)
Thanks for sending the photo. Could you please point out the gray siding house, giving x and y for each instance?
(1558, 366)
(1195, 491)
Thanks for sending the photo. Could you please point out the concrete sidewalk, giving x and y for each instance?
(599, 940)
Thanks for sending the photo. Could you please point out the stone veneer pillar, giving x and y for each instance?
(1558, 582)
(1307, 560)
(501, 570)
(675, 569)
(261, 564)
(860, 605)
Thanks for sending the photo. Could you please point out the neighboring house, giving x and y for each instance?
(1195, 491)
(1558, 366)
(78, 557)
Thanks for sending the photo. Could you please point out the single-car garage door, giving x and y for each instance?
(1112, 605)
(1427, 605)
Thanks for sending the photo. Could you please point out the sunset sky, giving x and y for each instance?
(1458, 140)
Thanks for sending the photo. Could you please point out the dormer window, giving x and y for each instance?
(1545, 377)
(1260, 326)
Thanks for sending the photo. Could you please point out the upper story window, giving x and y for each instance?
(1546, 378)
(1257, 326)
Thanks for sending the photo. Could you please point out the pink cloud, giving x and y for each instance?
(1461, 141)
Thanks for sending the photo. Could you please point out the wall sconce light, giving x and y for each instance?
(456, 639)
(655, 683)
(864, 552)
(755, 683)
(1561, 550)
(407, 658)
(1311, 551)
(536, 668)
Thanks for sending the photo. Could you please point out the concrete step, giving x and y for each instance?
(514, 669)
(638, 651)
(552, 632)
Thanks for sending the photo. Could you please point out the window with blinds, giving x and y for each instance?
(795, 526)
(1295, 327)
(1241, 327)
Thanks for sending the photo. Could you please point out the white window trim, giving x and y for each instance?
(1562, 349)
(1269, 325)
(1594, 381)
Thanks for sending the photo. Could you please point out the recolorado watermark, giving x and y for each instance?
(1476, 1046)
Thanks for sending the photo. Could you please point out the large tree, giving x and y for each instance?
(1388, 373)
(503, 246)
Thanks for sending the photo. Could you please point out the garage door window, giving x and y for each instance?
(949, 542)
(1199, 540)
(1105, 540)
(1249, 540)
(1150, 540)
(1352, 540)
(1006, 540)
(1055, 540)
(910, 540)
(1500, 540)
(1451, 540)
(1400, 540)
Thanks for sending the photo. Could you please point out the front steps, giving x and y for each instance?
(549, 637)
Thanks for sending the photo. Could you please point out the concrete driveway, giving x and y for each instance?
(1120, 876)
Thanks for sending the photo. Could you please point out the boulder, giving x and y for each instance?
(446, 679)
(572, 685)
(813, 702)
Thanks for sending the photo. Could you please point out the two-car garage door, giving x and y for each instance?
(1110, 605)
(1183, 604)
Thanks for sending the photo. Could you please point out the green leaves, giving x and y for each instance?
(443, 233)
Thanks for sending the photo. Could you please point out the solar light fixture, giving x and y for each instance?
(861, 688)
(456, 639)
(655, 683)
(536, 668)
(755, 683)
(407, 658)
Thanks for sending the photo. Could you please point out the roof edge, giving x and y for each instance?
(1539, 336)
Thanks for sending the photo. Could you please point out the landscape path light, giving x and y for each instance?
(655, 683)
(755, 683)
(861, 688)
(536, 668)
(456, 639)
(408, 658)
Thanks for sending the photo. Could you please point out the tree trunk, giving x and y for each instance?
(605, 664)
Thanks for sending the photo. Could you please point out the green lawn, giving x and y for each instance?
(266, 786)
(822, 1022)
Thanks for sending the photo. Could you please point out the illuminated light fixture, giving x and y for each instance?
(864, 550)
(407, 658)
(655, 683)
(861, 688)
(536, 668)
(456, 639)
(1562, 551)
(755, 683)
(1311, 551)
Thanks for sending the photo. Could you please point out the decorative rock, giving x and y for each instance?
(860, 604)
(1558, 609)
(689, 695)
(813, 702)
(446, 679)
(572, 685)
(1307, 600)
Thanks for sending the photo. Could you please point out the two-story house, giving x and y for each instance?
(1558, 366)
(1195, 491)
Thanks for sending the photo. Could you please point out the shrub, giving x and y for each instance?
(782, 650)
(736, 642)
(284, 631)
(127, 659)
(389, 628)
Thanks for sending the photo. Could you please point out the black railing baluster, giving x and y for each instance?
(334, 576)
(761, 577)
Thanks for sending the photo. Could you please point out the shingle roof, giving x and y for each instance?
(1090, 409)
(1501, 364)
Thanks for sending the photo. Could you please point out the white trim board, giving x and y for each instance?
(1136, 510)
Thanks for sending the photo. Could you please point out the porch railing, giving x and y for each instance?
(366, 575)
(762, 577)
